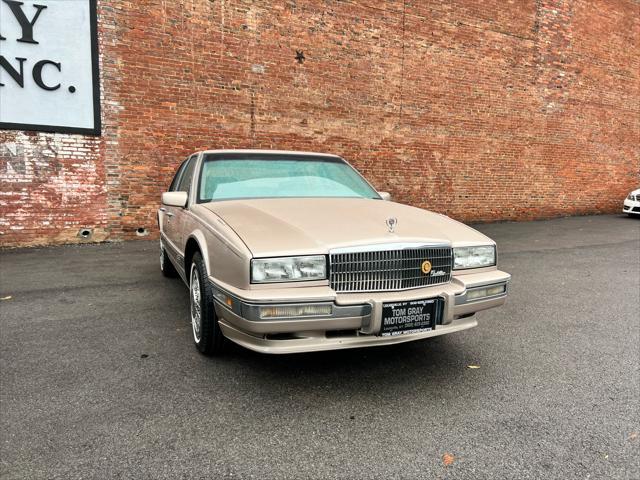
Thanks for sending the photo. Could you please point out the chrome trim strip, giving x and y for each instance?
(383, 247)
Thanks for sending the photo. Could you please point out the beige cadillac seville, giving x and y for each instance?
(289, 252)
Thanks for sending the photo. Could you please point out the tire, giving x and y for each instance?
(166, 267)
(204, 322)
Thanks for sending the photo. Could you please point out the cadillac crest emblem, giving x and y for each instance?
(391, 223)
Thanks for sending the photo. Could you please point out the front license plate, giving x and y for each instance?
(409, 317)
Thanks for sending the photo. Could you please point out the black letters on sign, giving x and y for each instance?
(37, 74)
(25, 24)
(17, 76)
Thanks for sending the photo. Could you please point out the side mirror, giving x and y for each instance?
(175, 199)
(386, 196)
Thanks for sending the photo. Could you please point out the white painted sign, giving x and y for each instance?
(49, 66)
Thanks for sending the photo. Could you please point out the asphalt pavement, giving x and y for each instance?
(99, 377)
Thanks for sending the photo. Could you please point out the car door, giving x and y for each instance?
(167, 218)
(178, 219)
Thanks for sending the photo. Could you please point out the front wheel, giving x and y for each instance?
(206, 331)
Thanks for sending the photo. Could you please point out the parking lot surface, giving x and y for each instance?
(99, 377)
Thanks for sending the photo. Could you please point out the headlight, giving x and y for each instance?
(288, 269)
(474, 257)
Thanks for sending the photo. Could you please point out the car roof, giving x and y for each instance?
(272, 152)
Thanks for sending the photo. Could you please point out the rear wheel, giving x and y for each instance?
(166, 267)
(204, 322)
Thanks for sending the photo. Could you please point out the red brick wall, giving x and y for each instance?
(482, 110)
(51, 187)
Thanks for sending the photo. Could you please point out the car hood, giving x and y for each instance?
(295, 226)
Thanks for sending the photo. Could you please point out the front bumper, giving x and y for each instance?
(354, 319)
(631, 206)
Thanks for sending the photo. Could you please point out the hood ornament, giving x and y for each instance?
(391, 223)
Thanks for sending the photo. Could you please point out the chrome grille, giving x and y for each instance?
(387, 270)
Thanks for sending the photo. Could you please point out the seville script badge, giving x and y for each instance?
(391, 223)
(426, 267)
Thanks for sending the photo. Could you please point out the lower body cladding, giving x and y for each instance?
(358, 320)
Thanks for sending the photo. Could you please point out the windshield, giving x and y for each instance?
(232, 176)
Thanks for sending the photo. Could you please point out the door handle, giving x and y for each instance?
(162, 209)
(169, 214)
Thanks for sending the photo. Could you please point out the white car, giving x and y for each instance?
(632, 203)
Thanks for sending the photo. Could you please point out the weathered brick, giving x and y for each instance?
(483, 111)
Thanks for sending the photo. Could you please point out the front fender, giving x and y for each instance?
(199, 237)
(225, 254)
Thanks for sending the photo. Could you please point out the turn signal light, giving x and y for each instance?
(485, 292)
(291, 311)
(222, 298)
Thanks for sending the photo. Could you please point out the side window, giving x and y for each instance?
(187, 175)
(174, 184)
